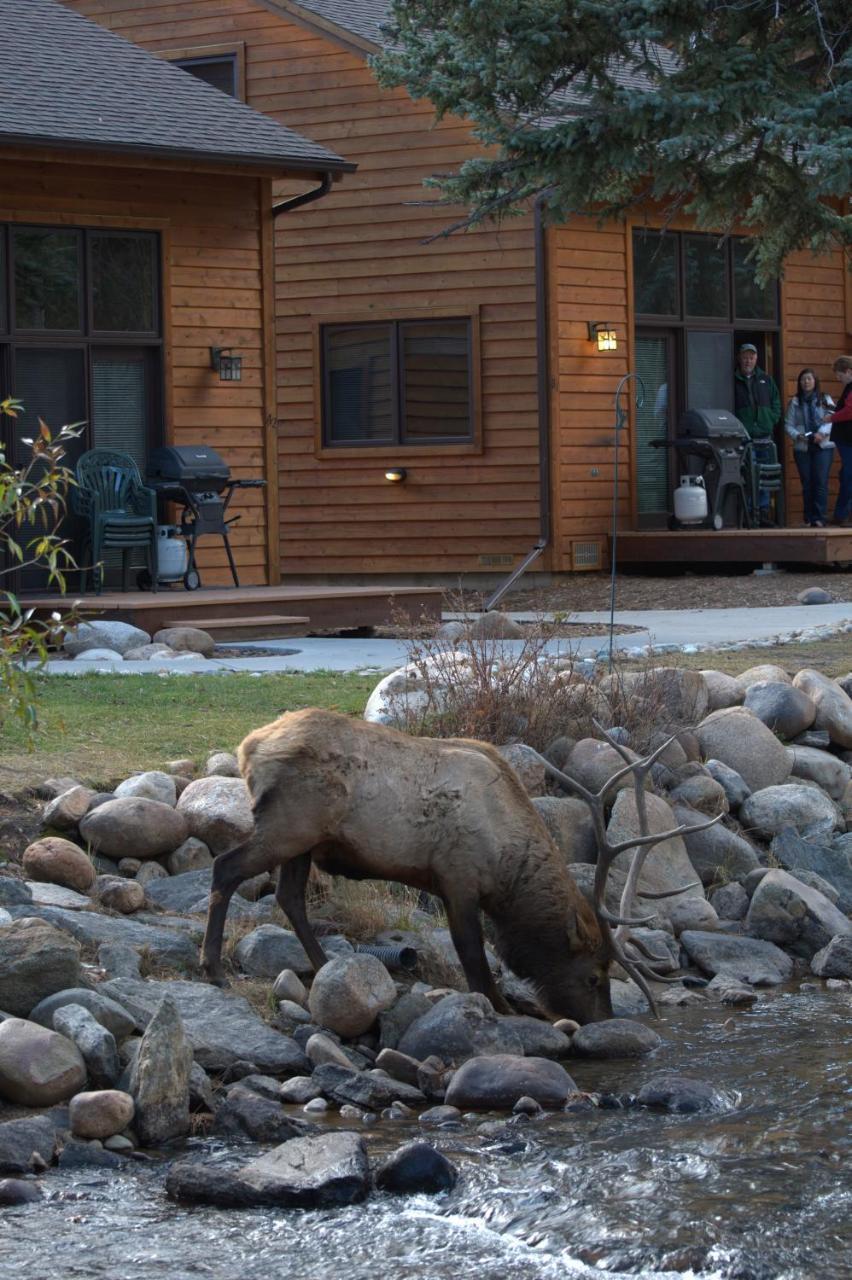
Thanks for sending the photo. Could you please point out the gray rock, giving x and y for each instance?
(289, 986)
(834, 706)
(300, 1089)
(64, 811)
(497, 1081)
(159, 1079)
(265, 951)
(222, 764)
(828, 858)
(149, 872)
(784, 709)
(17, 1191)
(814, 881)
(692, 913)
(13, 892)
(153, 785)
(722, 690)
(396, 1020)
(246, 1114)
(349, 992)
(787, 912)
(364, 1088)
(815, 595)
(615, 1038)
(741, 741)
(730, 990)
(416, 1168)
(312, 1172)
(440, 1117)
(495, 625)
(539, 1038)
(569, 822)
(702, 793)
(77, 1154)
(100, 634)
(826, 770)
(115, 893)
(751, 960)
(593, 762)
(182, 892)
(54, 895)
(37, 1067)
(36, 960)
(526, 764)
(222, 1028)
(218, 811)
(96, 1044)
(794, 804)
(457, 1028)
(399, 1065)
(22, 1140)
(192, 855)
(666, 866)
(735, 787)
(834, 960)
(166, 946)
(670, 1091)
(627, 999)
(817, 738)
(762, 672)
(730, 901)
(134, 825)
(118, 961)
(321, 1048)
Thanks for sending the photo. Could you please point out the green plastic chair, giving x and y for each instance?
(120, 510)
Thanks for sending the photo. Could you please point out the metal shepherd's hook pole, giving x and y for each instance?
(620, 419)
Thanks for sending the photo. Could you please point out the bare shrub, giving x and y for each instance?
(362, 908)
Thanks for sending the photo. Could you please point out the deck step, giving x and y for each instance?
(270, 626)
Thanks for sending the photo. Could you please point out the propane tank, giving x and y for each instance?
(690, 500)
(172, 553)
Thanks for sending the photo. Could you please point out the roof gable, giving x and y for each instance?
(69, 82)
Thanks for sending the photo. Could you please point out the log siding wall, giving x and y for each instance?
(211, 285)
(359, 255)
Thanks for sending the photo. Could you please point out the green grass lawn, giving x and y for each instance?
(100, 728)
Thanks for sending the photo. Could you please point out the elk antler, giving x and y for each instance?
(608, 851)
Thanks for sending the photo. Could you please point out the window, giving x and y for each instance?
(47, 279)
(124, 282)
(695, 277)
(219, 71)
(400, 382)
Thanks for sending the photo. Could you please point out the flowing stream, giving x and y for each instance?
(759, 1189)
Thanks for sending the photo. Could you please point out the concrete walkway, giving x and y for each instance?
(670, 628)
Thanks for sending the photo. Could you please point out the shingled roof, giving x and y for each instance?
(69, 82)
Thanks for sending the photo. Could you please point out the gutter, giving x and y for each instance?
(542, 355)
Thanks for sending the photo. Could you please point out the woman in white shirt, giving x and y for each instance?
(813, 450)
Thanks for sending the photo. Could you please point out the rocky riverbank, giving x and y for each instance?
(111, 1050)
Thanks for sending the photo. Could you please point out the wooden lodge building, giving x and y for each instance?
(461, 366)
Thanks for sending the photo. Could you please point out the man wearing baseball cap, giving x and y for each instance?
(757, 404)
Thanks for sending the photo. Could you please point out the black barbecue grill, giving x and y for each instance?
(198, 480)
(712, 443)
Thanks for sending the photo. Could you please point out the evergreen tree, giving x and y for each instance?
(737, 113)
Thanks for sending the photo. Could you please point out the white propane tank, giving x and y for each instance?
(690, 500)
(172, 553)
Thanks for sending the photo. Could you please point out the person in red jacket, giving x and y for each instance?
(841, 434)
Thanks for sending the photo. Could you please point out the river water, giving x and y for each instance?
(759, 1189)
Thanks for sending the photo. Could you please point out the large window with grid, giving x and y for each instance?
(399, 382)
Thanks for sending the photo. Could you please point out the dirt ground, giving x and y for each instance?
(590, 592)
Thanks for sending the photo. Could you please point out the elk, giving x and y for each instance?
(448, 816)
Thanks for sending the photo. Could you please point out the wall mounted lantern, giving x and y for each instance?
(603, 333)
(396, 475)
(228, 366)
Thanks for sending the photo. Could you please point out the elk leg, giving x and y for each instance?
(290, 892)
(466, 933)
(228, 874)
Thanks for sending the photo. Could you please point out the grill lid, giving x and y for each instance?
(197, 467)
(710, 424)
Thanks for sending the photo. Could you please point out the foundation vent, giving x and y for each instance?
(496, 561)
(587, 556)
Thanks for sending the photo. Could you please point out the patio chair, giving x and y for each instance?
(120, 510)
(768, 477)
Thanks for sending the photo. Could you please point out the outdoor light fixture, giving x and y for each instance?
(602, 332)
(396, 475)
(228, 366)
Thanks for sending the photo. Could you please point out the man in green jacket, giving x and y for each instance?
(757, 404)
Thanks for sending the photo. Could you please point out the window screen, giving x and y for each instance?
(220, 72)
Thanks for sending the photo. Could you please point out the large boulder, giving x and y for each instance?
(833, 705)
(38, 1067)
(415, 1168)
(783, 708)
(834, 960)
(36, 960)
(742, 741)
(267, 950)
(525, 762)
(830, 859)
(497, 1081)
(58, 861)
(722, 690)
(186, 640)
(27, 1143)
(457, 1028)
(826, 770)
(615, 1038)
(103, 634)
(159, 1080)
(173, 947)
(96, 1044)
(134, 826)
(794, 804)
(105, 1011)
(345, 1085)
(794, 916)
(63, 812)
(751, 960)
(100, 1114)
(593, 762)
(569, 823)
(666, 866)
(218, 811)
(349, 993)
(153, 785)
(716, 853)
(735, 788)
(763, 672)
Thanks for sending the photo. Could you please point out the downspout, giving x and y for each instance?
(306, 197)
(543, 392)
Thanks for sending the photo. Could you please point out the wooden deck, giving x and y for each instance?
(326, 607)
(759, 546)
